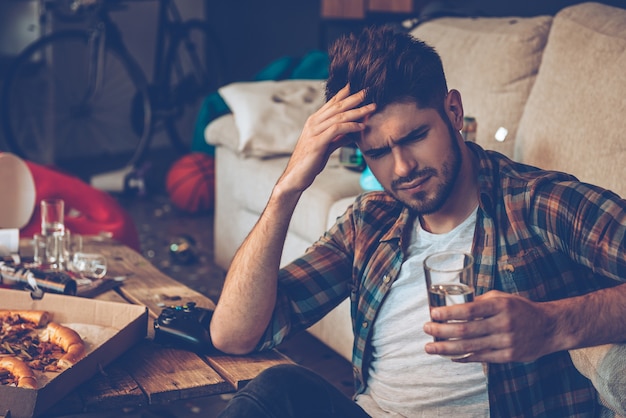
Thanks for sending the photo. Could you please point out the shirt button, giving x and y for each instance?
(386, 279)
(364, 324)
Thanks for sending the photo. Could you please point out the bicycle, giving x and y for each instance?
(73, 89)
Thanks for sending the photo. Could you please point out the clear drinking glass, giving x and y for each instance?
(52, 217)
(48, 251)
(40, 249)
(89, 265)
(72, 244)
(449, 278)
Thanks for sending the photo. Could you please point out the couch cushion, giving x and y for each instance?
(493, 63)
(574, 119)
(223, 131)
(605, 366)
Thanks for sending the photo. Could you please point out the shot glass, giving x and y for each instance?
(40, 249)
(89, 265)
(48, 251)
(72, 244)
(449, 278)
(52, 217)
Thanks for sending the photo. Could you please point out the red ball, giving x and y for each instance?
(190, 182)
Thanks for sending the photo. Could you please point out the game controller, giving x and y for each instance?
(184, 326)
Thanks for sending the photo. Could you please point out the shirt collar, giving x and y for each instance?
(487, 176)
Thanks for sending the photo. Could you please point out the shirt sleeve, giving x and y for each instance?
(313, 284)
(586, 222)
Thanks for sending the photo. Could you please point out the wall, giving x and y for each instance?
(255, 33)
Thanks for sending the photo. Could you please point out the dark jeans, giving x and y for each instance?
(291, 391)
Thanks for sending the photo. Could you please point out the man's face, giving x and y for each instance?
(413, 153)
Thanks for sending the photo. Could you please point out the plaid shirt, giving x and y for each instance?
(539, 234)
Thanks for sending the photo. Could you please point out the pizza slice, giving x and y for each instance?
(69, 341)
(29, 338)
(19, 373)
(37, 318)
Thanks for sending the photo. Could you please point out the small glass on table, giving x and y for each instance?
(52, 217)
(449, 276)
(49, 246)
(89, 265)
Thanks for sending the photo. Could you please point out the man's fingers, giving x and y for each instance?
(489, 356)
(339, 116)
(487, 348)
(482, 307)
(349, 120)
(339, 103)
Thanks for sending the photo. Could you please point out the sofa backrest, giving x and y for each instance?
(575, 117)
(493, 62)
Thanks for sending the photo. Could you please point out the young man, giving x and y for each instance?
(549, 260)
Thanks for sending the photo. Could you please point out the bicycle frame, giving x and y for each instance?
(170, 31)
(102, 30)
(170, 28)
(186, 68)
(97, 42)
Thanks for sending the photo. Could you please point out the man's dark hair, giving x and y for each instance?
(392, 66)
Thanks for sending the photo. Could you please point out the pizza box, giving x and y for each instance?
(108, 329)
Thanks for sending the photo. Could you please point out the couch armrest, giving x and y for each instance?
(605, 366)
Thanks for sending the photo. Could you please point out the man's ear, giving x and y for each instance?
(454, 109)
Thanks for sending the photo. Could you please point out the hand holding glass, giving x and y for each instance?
(449, 278)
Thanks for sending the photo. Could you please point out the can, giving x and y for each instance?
(52, 281)
(469, 128)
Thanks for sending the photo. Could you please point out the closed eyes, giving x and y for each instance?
(413, 137)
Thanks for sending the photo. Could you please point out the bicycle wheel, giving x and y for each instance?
(194, 69)
(52, 114)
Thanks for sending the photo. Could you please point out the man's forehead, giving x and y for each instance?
(396, 121)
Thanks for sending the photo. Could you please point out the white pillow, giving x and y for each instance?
(270, 115)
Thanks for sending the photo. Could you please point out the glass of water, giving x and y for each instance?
(449, 281)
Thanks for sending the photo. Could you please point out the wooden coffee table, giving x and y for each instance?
(150, 374)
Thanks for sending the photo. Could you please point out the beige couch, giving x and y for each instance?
(552, 89)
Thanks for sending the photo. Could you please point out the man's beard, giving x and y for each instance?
(449, 173)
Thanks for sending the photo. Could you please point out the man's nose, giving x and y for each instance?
(404, 163)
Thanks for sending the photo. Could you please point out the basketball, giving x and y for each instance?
(190, 182)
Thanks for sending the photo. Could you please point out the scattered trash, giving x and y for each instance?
(183, 250)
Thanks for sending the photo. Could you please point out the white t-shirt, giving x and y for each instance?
(405, 381)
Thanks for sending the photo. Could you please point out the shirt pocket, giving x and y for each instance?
(531, 274)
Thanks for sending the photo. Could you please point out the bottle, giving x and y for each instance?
(350, 157)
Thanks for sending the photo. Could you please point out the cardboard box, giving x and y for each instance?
(118, 326)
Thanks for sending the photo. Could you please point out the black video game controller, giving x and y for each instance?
(184, 326)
